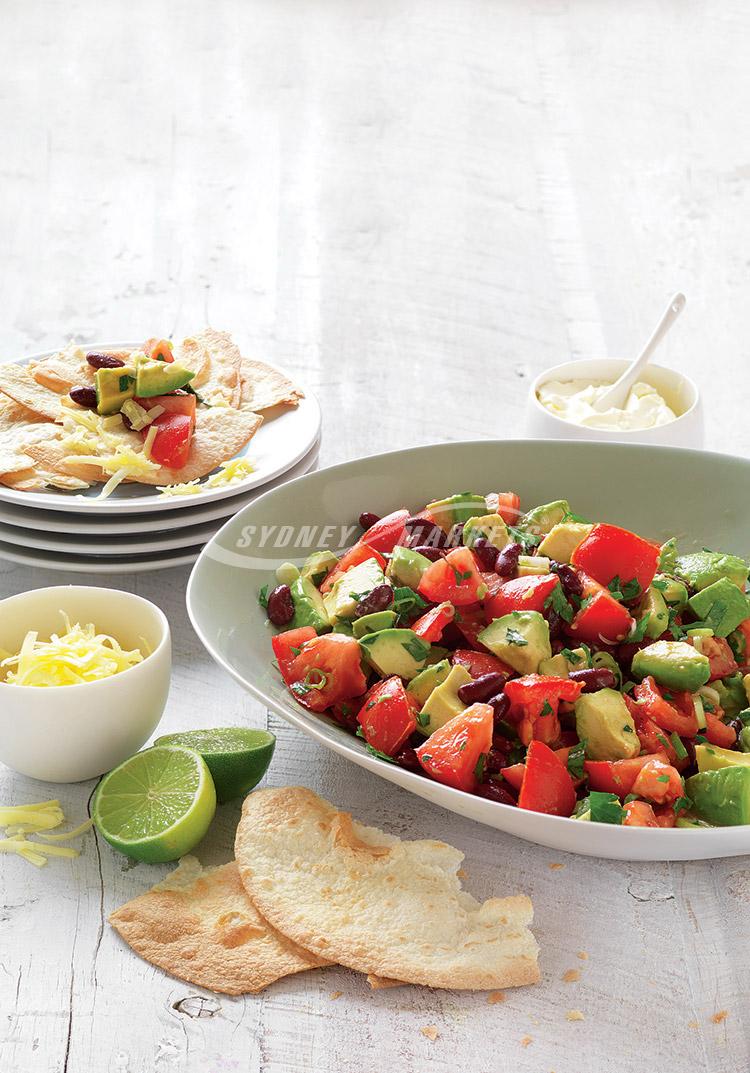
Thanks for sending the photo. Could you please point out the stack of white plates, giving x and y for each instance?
(137, 528)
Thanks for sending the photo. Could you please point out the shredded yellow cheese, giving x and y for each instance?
(22, 820)
(77, 656)
(236, 469)
(189, 488)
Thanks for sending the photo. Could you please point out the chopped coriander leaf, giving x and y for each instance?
(662, 778)
(376, 752)
(586, 602)
(660, 584)
(461, 577)
(673, 626)
(426, 756)
(576, 758)
(479, 769)
(681, 803)
(417, 648)
(513, 637)
(627, 729)
(605, 808)
(638, 632)
(679, 748)
(546, 708)
(663, 740)
(708, 706)
(423, 719)
(701, 738)
(569, 516)
(462, 746)
(294, 651)
(406, 600)
(667, 695)
(570, 656)
(263, 597)
(528, 541)
(556, 602)
(630, 797)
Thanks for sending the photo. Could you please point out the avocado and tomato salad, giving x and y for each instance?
(152, 392)
(537, 659)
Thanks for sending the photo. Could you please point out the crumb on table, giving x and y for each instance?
(720, 1016)
(430, 1032)
(555, 866)
(574, 1015)
(495, 997)
(571, 975)
(526, 1041)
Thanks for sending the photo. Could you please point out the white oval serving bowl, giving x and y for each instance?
(679, 391)
(72, 733)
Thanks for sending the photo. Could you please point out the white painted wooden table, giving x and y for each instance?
(415, 206)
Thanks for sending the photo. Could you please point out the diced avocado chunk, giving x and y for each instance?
(652, 603)
(344, 595)
(287, 573)
(436, 655)
(343, 627)
(443, 703)
(113, 388)
(603, 720)
(378, 620)
(528, 565)
(318, 565)
(721, 606)
(674, 664)
(489, 526)
(456, 509)
(423, 684)
(160, 377)
(674, 592)
(407, 566)
(575, 659)
(711, 758)
(520, 639)
(309, 608)
(731, 695)
(563, 539)
(700, 569)
(543, 519)
(398, 652)
(721, 797)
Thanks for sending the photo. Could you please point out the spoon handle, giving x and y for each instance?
(617, 394)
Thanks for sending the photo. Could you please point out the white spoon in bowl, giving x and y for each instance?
(616, 395)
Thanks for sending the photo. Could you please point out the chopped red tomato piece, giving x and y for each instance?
(360, 553)
(609, 552)
(719, 733)
(601, 618)
(469, 621)
(665, 815)
(676, 714)
(514, 775)
(721, 659)
(386, 717)
(456, 752)
(507, 505)
(454, 578)
(172, 404)
(639, 814)
(326, 671)
(520, 594)
(171, 446)
(534, 702)
(287, 646)
(479, 663)
(158, 350)
(743, 654)
(659, 782)
(651, 736)
(431, 625)
(387, 533)
(617, 776)
(547, 785)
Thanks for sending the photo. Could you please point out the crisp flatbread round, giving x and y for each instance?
(358, 896)
(18, 426)
(219, 378)
(67, 368)
(200, 926)
(18, 383)
(264, 387)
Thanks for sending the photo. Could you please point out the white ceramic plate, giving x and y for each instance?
(104, 564)
(623, 484)
(281, 441)
(56, 521)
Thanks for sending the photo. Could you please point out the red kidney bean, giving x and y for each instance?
(280, 606)
(692, 760)
(624, 653)
(506, 563)
(84, 396)
(423, 531)
(481, 689)
(500, 706)
(433, 554)
(569, 579)
(495, 760)
(408, 759)
(486, 553)
(104, 361)
(555, 623)
(594, 678)
(455, 536)
(493, 791)
(367, 519)
(379, 599)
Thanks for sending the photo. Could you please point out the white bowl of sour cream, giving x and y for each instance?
(662, 407)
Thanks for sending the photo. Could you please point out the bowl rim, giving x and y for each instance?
(103, 683)
(301, 719)
(555, 372)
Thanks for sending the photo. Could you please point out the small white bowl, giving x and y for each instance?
(71, 733)
(678, 390)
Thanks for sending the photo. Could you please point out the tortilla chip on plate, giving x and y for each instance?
(18, 384)
(37, 480)
(218, 380)
(367, 900)
(18, 427)
(200, 925)
(67, 368)
(264, 387)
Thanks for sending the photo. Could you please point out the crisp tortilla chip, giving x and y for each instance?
(200, 926)
(220, 383)
(66, 369)
(37, 480)
(19, 384)
(263, 387)
(374, 903)
(18, 426)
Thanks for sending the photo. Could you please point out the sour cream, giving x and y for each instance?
(573, 400)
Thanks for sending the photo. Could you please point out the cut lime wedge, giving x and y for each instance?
(237, 757)
(157, 805)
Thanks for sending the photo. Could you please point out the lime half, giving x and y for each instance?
(157, 805)
(237, 758)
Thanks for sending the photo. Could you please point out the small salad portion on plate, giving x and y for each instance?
(538, 659)
(160, 414)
